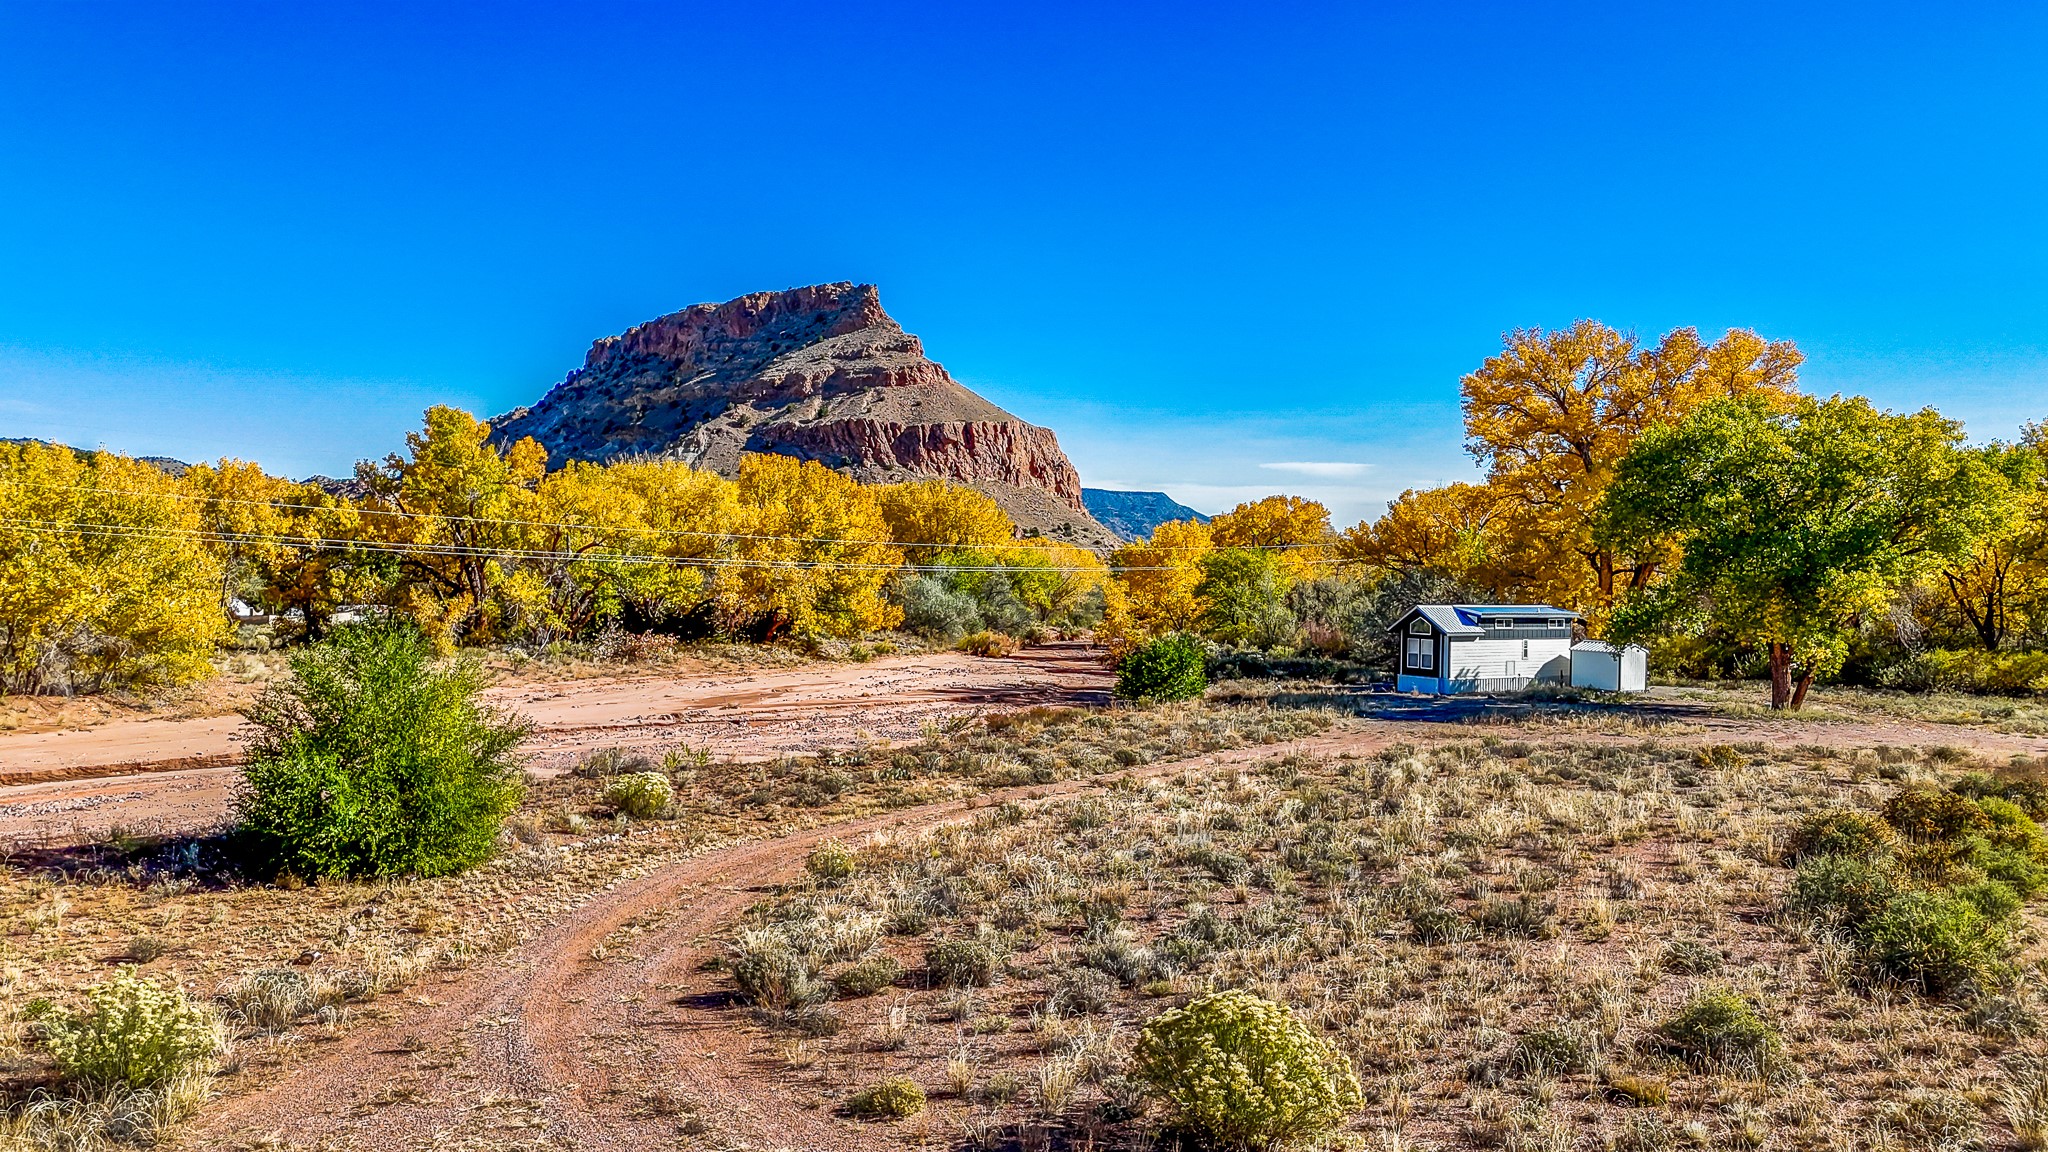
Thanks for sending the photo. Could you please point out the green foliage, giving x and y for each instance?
(1719, 1029)
(960, 963)
(832, 862)
(1974, 670)
(1926, 815)
(133, 1031)
(867, 977)
(1791, 524)
(1848, 890)
(892, 1099)
(1242, 1072)
(374, 761)
(1167, 667)
(641, 795)
(1842, 833)
(1245, 591)
(1939, 940)
(2027, 792)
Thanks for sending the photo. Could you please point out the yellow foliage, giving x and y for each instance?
(818, 546)
(943, 514)
(1552, 414)
(104, 579)
(1298, 528)
(1155, 587)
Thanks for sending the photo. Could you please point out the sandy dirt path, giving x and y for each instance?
(574, 1041)
(174, 776)
(607, 1032)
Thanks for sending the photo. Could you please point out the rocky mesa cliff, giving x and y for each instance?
(820, 373)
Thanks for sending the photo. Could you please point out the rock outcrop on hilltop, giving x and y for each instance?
(820, 373)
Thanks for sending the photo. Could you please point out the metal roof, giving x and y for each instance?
(1604, 646)
(1466, 619)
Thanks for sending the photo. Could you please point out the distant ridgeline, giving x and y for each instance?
(1133, 515)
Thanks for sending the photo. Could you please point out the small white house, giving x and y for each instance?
(1453, 648)
(1600, 665)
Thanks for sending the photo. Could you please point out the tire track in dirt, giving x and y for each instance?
(557, 1046)
(536, 1031)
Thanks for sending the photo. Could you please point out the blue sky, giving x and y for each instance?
(1209, 245)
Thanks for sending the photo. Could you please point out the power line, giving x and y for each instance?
(465, 551)
(555, 526)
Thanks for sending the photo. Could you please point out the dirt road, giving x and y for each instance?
(572, 1041)
(176, 775)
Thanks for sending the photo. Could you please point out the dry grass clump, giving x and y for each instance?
(1517, 943)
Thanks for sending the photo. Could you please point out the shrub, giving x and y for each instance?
(987, 644)
(1553, 1051)
(641, 795)
(832, 862)
(2017, 868)
(1932, 815)
(773, 974)
(867, 977)
(372, 761)
(1081, 992)
(134, 1032)
(270, 997)
(892, 1099)
(2025, 790)
(1718, 1029)
(1844, 889)
(1939, 940)
(960, 963)
(1164, 668)
(1842, 833)
(1241, 1071)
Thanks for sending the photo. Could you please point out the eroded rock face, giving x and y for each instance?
(820, 373)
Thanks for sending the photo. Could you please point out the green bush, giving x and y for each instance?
(2025, 790)
(1848, 890)
(134, 1031)
(1241, 1071)
(2015, 867)
(1842, 833)
(1939, 940)
(1926, 815)
(960, 963)
(373, 761)
(867, 977)
(832, 862)
(1164, 668)
(1719, 1029)
(892, 1099)
(641, 795)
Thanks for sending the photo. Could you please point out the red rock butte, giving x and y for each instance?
(821, 373)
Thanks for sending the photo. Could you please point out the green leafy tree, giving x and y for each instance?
(1244, 591)
(1791, 525)
(374, 760)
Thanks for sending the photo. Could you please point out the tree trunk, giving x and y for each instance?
(1781, 675)
(1799, 693)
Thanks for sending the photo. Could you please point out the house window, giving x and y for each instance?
(1420, 627)
(1557, 622)
(1421, 653)
(1503, 622)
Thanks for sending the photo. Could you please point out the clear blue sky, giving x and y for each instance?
(1196, 240)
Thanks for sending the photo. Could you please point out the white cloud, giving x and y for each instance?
(1326, 469)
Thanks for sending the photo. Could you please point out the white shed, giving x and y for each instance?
(1609, 669)
(1447, 649)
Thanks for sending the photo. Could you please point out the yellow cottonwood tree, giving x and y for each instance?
(1297, 529)
(942, 514)
(1155, 584)
(816, 548)
(1553, 413)
(105, 579)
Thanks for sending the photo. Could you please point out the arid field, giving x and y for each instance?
(1494, 911)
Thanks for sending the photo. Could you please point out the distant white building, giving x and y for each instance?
(1597, 664)
(1454, 648)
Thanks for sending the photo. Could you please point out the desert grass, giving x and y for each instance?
(290, 965)
(1520, 944)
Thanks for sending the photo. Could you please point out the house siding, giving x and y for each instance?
(1482, 665)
